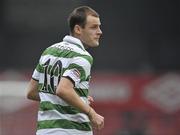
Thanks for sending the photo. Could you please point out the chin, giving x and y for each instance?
(96, 44)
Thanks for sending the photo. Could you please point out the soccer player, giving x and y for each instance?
(60, 81)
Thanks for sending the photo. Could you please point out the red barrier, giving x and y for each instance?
(131, 105)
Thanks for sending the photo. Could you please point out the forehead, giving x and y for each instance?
(92, 20)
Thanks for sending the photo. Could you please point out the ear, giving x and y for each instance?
(77, 29)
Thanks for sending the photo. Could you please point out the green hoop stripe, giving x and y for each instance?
(79, 91)
(71, 66)
(54, 51)
(47, 90)
(40, 69)
(46, 106)
(82, 92)
(62, 123)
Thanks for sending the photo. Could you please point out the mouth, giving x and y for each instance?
(97, 38)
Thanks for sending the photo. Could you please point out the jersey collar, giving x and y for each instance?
(73, 40)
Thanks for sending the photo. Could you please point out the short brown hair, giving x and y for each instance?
(79, 15)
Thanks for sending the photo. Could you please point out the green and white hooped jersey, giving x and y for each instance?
(67, 59)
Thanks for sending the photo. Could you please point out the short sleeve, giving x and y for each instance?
(36, 75)
(78, 70)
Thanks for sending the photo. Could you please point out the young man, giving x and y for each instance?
(61, 79)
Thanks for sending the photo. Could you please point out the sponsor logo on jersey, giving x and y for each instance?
(76, 73)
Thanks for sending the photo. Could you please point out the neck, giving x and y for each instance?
(78, 37)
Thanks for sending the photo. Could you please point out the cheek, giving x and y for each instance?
(88, 36)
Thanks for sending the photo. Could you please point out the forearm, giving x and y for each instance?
(65, 90)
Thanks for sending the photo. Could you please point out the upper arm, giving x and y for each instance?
(65, 84)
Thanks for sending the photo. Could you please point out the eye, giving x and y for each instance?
(95, 27)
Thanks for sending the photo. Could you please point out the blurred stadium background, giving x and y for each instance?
(135, 81)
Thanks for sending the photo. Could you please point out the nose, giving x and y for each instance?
(99, 31)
